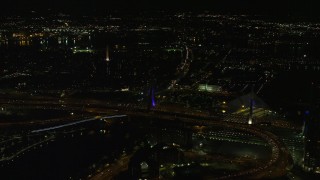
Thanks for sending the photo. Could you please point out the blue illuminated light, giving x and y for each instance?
(153, 101)
(307, 112)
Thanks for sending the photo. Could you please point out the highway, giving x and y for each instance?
(274, 168)
(182, 69)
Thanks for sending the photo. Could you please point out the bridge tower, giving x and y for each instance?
(107, 60)
(250, 118)
(107, 54)
(151, 99)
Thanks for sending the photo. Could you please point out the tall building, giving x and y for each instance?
(311, 161)
(311, 132)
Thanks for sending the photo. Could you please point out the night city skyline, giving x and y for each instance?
(282, 7)
(138, 89)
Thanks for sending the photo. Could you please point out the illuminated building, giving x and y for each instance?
(209, 88)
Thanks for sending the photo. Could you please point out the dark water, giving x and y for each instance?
(73, 155)
(292, 93)
(59, 160)
(21, 114)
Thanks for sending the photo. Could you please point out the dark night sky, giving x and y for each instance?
(304, 7)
